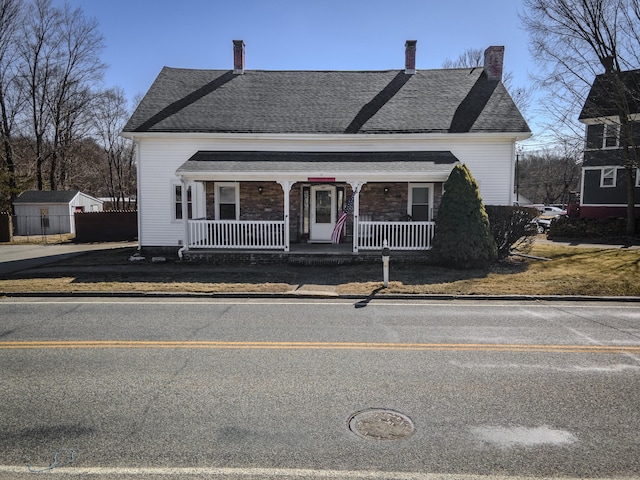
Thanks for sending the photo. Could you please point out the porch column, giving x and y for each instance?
(185, 213)
(356, 186)
(286, 187)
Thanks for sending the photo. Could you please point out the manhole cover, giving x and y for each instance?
(381, 424)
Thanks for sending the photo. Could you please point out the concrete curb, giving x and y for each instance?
(322, 295)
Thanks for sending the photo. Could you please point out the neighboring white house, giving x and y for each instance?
(51, 212)
(254, 159)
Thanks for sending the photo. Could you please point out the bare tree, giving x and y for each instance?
(10, 19)
(38, 51)
(574, 40)
(118, 171)
(474, 58)
(60, 51)
(58, 127)
(549, 176)
(78, 71)
(470, 58)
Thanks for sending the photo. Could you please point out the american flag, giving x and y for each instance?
(336, 235)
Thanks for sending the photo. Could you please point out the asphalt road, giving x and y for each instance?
(14, 258)
(163, 388)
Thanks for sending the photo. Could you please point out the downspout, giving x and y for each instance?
(185, 218)
(513, 196)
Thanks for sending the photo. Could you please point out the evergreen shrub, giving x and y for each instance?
(462, 237)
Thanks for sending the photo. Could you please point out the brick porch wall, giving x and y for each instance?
(390, 206)
(265, 205)
(268, 205)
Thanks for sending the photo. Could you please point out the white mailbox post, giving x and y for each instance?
(385, 263)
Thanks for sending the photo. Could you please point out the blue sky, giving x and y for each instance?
(142, 36)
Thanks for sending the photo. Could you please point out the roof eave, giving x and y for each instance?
(366, 176)
(606, 119)
(516, 135)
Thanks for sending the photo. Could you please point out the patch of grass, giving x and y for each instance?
(41, 239)
(571, 271)
(71, 284)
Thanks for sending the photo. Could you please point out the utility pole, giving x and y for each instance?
(519, 149)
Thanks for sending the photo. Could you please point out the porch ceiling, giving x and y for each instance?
(432, 166)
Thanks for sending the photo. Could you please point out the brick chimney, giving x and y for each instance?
(493, 58)
(238, 57)
(410, 57)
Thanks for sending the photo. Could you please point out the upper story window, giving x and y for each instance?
(611, 135)
(603, 135)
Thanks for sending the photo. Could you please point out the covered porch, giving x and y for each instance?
(273, 201)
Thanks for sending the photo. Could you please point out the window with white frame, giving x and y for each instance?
(608, 177)
(611, 136)
(420, 202)
(178, 198)
(227, 201)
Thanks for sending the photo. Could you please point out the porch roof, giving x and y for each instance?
(303, 166)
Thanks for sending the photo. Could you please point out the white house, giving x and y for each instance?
(51, 212)
(254, 159)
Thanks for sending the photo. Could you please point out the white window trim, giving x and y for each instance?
(602, 176)
(196, 210)
(637, 177)
(216, 196)
(410, 197)
(174, 200)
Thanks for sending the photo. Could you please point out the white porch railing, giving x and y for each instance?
(400, 235)
(257, 234)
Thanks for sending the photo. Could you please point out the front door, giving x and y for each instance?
(323, 212)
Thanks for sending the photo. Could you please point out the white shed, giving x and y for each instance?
(51, 212)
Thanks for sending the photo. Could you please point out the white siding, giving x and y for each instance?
(88, 203)
(490, 159)
(492, 165)
(158, 162)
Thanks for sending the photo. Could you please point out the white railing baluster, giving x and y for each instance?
(400, 235)
(236, 234)
(259, 234)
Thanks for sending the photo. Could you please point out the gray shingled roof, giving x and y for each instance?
(448, 100)
(601, 101)
(330, 163)
(44, 196)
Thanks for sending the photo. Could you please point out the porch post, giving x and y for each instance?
(185, 213)
(286, 187)
(356, 187)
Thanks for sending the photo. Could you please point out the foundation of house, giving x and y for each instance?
(303, 254)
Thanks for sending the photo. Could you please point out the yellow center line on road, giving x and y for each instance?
(489, 347)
